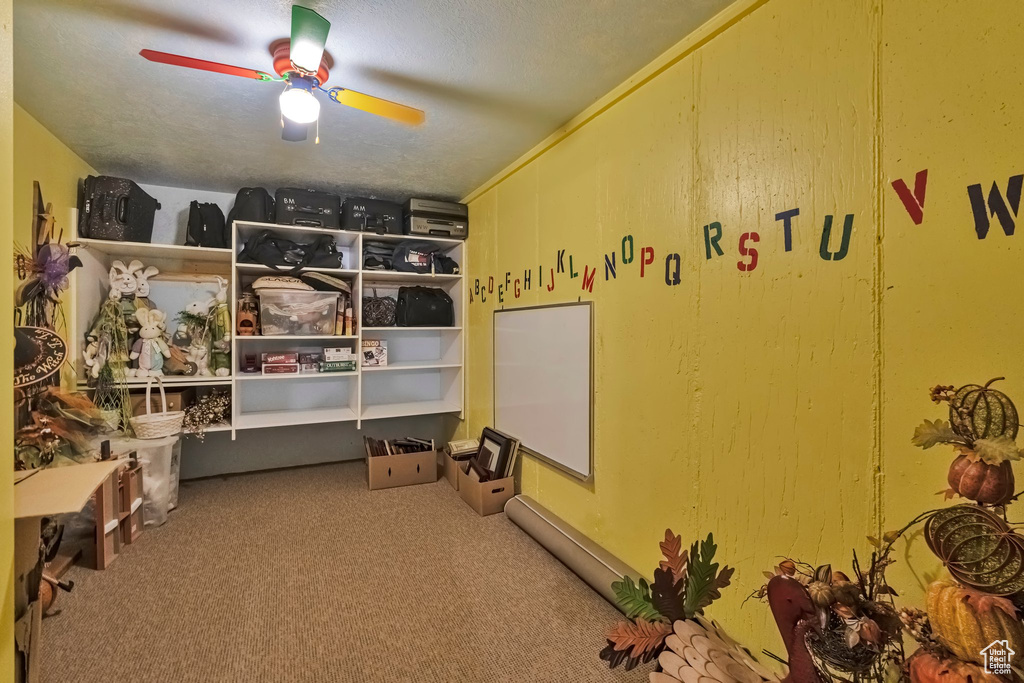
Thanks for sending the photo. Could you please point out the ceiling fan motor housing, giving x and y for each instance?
(285, 68)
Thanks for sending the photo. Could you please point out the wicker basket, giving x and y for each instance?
(157, 425)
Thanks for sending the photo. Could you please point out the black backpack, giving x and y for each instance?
(252, 204)
(206, 226)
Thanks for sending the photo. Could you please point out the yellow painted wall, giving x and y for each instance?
(773, 407)
(6, 343)
(39, 156)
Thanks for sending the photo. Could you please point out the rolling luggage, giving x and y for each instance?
(115, 209)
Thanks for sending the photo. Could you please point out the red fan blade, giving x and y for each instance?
(203, 65)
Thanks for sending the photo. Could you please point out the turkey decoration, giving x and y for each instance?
(302, 65)
(841, 629)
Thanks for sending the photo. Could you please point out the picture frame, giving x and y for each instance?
(494, 452)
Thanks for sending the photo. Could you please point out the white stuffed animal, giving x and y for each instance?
(122, 280)
(150, 349)
(142, 281)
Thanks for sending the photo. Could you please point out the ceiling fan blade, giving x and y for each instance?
(293, 132)
(203, 65)
(309, 37)
(375, 105)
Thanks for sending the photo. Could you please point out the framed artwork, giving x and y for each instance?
(493, 455)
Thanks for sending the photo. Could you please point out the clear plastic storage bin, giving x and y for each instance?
(297, 312)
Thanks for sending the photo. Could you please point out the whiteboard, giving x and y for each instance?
(543, 382)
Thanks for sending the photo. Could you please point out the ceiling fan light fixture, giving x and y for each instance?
(298, 103)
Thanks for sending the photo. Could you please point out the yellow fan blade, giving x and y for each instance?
(375, 105)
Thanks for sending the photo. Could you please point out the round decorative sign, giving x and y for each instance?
(38, 354)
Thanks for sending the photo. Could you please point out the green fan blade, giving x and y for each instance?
(309, 36)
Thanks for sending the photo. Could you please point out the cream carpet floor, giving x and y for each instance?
(305, 575)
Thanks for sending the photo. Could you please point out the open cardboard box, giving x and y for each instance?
(389, 471)
(487, 497)
(450, 469)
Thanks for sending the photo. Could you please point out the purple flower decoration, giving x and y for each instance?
(54, 263)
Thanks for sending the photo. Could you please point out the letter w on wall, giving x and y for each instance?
(1003, 209)
(913, 202)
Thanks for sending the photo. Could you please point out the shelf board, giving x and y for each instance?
(296, 337)
(175, 380)
(396, 276)
(418, 238)
(284, 418)
(260, 268)
(297, 375)
(219, 427)
(170, 255)
(411, 365)
(412, 329)
(386, 410)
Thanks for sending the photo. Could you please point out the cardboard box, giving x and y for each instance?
(389, 471)
(280, 368)
(375, 352)
(488, 497)
(450, 469)
(176, 400)
(280, 357)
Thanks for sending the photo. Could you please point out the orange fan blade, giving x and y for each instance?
(375, 105)
(203, 65)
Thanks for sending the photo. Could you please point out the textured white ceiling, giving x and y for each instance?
(494, 76)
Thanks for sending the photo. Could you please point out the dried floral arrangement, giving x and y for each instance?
(62, 426)
(208, 410)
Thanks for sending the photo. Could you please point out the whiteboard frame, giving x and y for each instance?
(589, 479)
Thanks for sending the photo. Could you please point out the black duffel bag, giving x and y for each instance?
(284, 255)
(424, 307)
(115, 209)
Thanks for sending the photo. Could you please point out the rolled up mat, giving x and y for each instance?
(592, 563)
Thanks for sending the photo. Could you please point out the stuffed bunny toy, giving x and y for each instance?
(150, 349)
(122, 280)
(142, 284)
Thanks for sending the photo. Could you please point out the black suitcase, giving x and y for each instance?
(206, 227)
(424, 307)
(308, 207)
(253, 204)
(371, 215)
(115, 209)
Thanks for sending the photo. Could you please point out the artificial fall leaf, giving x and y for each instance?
(675, 556)
(639, 637)
(998, 450)
(667, 595)
(703, 579)
(946, 494)
(844, 611)
(982, 602)
(635, 599)
(929, 434)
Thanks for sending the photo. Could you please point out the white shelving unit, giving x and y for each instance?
(425, 374)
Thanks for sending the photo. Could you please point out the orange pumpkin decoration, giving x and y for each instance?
(966, 621)
(928, 668)
(980, 481)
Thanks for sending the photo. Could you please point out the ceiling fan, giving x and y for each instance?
(302, 65)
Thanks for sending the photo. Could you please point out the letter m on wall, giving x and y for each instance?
(1004, 209)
